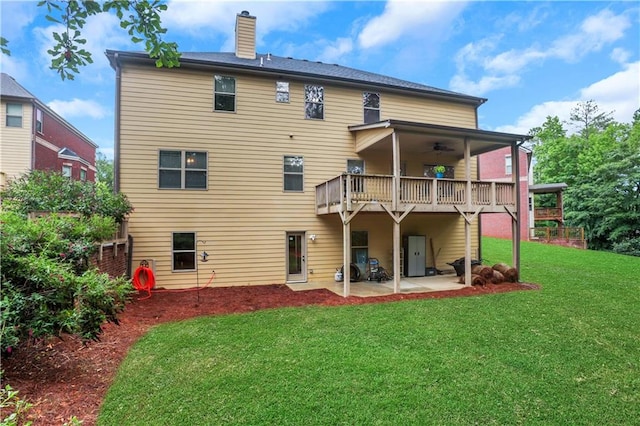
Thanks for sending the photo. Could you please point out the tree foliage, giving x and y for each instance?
(49, 286)
(140, 18)
(601, 166)
(104, 173)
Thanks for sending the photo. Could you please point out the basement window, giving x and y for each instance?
(313, 102)
(225, 94)
(183, 250)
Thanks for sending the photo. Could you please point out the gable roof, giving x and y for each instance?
(11, 88)
(296, 68)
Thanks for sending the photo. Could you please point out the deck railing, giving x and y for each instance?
(547, 213)
(352, 188)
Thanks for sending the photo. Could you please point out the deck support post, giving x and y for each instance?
(515, 222)
(467, 222)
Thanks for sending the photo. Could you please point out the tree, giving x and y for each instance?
(104, 173)
(601, 166)
(48, 284)
(586, 115)
(140, 18)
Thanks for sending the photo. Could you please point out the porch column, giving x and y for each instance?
(396, 202)
(396, 171)
(346, 256)
(467, 225)
(515, 221)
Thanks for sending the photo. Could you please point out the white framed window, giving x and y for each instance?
(14, 115)
(39, 120)
(224, 93)
(313, 102)
(282, 91)
(83, 174)
(371, 104)
(182, 169)
(183, 251)
(293, 173)
(507, 165)
(66, 170)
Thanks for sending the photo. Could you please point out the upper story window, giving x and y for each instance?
(14, 115)
(371, 104)
(293, 173)
(183, 251)
(507, 164)
(313, 102)
(66, 170)
(83, 174)
(182, 170)
(225, 93)
(38, 120)
(282, 91)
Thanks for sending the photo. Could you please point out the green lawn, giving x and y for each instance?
(568, 354)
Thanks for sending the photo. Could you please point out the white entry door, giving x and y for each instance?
(296, 257)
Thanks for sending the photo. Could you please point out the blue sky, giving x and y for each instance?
(530, 59)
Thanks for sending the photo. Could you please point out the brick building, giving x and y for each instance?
(34, 137)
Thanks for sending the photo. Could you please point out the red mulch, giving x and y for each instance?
(64, 378)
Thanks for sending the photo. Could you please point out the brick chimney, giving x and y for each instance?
(245, 35)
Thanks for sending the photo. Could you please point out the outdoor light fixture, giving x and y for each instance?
(312, 237)
(204, 256)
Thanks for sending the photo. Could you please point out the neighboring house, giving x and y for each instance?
(283, 170)
(34, 137)
(534, 221)
(498, 165)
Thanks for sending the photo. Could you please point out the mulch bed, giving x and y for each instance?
(64, 378)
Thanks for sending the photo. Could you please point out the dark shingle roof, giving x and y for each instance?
(267, 63)
(10, 87)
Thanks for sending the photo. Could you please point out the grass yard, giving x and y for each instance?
(568, 354)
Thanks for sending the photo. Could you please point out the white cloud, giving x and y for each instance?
(334, 51)
(78, 108)
(14, 67)
(203, 19)
(620, 55)
(15, 16)
(403, 18)
(618, 94)
(505, 68)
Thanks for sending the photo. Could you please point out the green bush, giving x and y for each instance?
(40, 191)
(48, 286)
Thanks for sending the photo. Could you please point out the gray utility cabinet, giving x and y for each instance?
(415, 255)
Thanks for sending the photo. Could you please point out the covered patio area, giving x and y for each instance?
(373, 288)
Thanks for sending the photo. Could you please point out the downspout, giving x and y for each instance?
(116, 132)
(33, 133)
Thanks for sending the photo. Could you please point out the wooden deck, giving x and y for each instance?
(349, 192)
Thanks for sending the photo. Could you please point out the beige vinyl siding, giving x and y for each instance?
(244, 214)
(16, 146)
